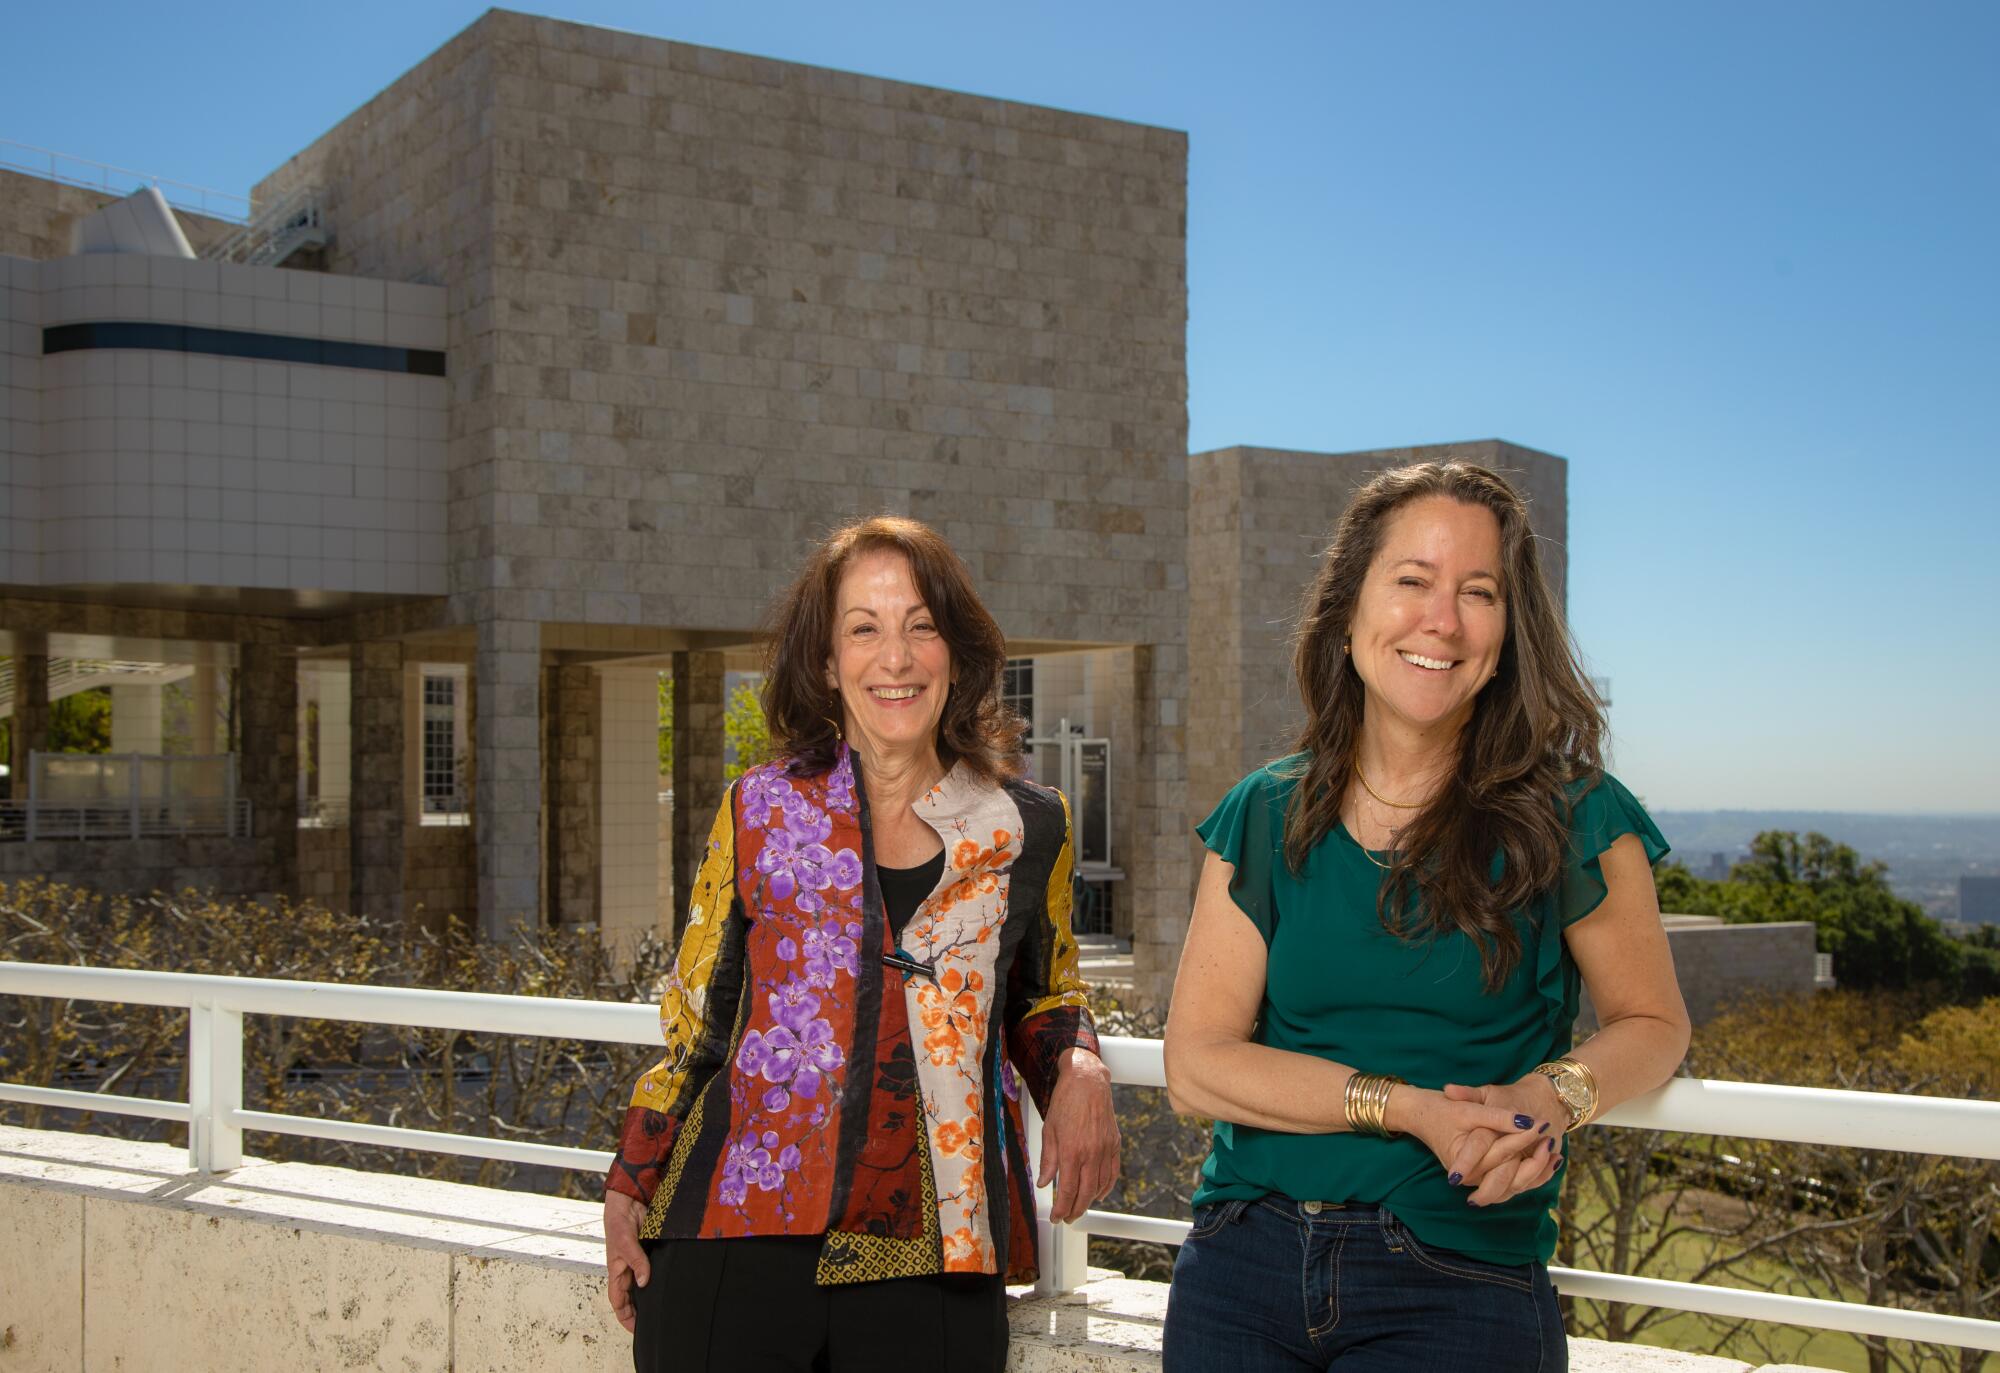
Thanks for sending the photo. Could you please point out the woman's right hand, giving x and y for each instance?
(1469, 1138)
(624, 1257)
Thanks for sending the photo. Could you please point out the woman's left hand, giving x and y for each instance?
(1494, 1171)
(1079, 1136)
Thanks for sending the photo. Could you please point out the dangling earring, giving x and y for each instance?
(838, 735)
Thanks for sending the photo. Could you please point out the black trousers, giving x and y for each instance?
(722, 1306)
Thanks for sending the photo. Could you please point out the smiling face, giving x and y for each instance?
(889, 663)
(1429, 622)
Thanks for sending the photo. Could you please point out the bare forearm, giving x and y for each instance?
(1632, 1056)
(1251, 1084)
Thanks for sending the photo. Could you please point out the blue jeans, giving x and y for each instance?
(1276, 1284)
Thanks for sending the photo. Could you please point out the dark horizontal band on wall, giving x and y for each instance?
(241, 343)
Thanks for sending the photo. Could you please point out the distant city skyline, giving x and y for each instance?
(1735, 264)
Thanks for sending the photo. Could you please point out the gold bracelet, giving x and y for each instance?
(1366, 1102)
(1576, 1088)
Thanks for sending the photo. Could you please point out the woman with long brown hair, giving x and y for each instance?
(828, 1166)
(1376, 995)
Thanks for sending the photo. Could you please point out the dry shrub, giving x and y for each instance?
(516, 1087)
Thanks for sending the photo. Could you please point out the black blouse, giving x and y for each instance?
(904, 889)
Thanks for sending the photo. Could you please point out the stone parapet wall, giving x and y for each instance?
(324, 865)
(440, 873)
(135, 867)
(124, 1257)
(37, 214)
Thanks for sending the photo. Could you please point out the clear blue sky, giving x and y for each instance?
(1739, 263)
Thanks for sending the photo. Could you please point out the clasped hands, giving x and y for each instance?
(1499, 1140)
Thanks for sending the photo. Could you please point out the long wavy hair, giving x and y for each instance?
(1536, 727)
(803, 712)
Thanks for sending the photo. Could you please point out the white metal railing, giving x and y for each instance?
(216, 1119)
(102, 176)
(140, 818)
(277, 228)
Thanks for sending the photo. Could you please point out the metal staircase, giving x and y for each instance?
(289, 225)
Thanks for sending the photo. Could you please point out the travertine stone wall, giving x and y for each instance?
(1162, 877)
(208, 863)
(698, 761)
(36, 215)
(507, 809)
(440, 874)
(378, 793)
(28, 726)
(1259, 520)
(573, 760)
(267, 685)
(325, 861)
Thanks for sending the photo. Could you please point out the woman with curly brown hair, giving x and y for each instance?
(828, 1167)
(1375, 998)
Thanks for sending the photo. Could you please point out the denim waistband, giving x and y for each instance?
(1324, 1212)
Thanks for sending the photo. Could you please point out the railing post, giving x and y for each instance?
(215, 1086)
(1062, 1251)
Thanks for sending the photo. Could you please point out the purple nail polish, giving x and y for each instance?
(1544, 1128)
(1455, 1179)
(1559, 1166)
(1522, 1122)
(1551, 1144)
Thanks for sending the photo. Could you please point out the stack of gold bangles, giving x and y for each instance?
(1367, 1100)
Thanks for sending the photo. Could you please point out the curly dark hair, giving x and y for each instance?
(802, 710)
(1535, 728)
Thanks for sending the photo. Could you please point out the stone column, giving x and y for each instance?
(267, 684)
(204, 709)
(508, 806)
(572, 780)
(1161, 870)
(135, 719)
(698, 781)
(376, 793)
(30, 721)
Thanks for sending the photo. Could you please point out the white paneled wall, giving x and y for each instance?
(629, 804)
(191, 469)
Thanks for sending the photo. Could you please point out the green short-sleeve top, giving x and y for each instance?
(1340, 986)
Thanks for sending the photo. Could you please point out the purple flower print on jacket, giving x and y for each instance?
(830, 948)
(798, 862)
(794, 1054)
(759, 791)
(750, 1159)
(840, 784)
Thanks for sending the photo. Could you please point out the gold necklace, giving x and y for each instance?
(1366, 852)
(1362, 777)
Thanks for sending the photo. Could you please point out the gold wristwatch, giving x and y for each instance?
(1576, 1088)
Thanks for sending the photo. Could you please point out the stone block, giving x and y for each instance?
(41, 1289)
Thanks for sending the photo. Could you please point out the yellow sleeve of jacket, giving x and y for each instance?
(697, 1008)
(1048, 1010)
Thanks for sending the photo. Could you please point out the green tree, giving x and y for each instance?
(744, 730)
(1878, 940)
(666, 724)
(81, 723)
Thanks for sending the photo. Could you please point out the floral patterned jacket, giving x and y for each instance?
(810, 1087)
